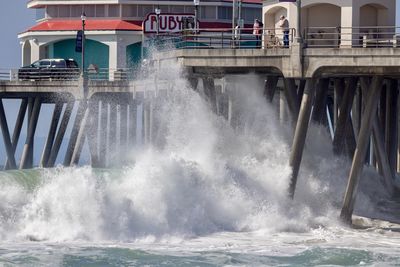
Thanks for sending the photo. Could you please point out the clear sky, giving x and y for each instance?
(15, 18)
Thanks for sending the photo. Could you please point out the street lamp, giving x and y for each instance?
(298, 33)
(196, 5)
(83, 18)
(158, 12)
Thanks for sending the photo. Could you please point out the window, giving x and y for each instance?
(145, 9)
(113, 11)
(44, 63)
(52, 11)
(177, 9)
(89, 10)
(189, 9)
(207, 12)
(100, 11)
(58, 64)
(63, 11)
(129, 11)
(40, 13)
(249, 14)
(76, 11)
(224, 12)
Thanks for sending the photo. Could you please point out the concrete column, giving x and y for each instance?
(282, 108)
(123, 132)
(337, 98)
(391, 124)
(103, 152)
(35, 50)
(321, 96)
(30, 148)
(381, 156)
(112, 137)
(270, 87)
(80, 140)
(346, 30)
(6, 137)
(117, 55)
(291, 97)
(301, 134)
(60, 134)
(74, 132)
(344, 116)
(92, 131)
(17, 129)
(51, 135)
(210, 92)
(25, 163)
(362, 145)
(132, 123)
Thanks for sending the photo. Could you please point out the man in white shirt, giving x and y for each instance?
(284, 25)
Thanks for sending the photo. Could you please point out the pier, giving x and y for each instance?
(349, 87)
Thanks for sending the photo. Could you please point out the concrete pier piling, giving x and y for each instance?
(301, 134)
(362, 145)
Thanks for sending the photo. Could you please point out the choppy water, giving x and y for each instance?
(205, 195)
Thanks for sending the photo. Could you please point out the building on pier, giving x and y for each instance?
(113, 27)
(334, 21)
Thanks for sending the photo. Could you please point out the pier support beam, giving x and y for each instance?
(132, 123)
(92, 131)
(270, 87)
(103, 133)
(391, 124)
(362, 145)
(382, 158)
(60, 134)
(344, 117)
(6, 137)
(74, 133)
(301, 134)
(51, 135)
(26, 160)
(291, 97)
(17, 130)
(80, 140)
(321, 95)
(112, 137)
(209, 91)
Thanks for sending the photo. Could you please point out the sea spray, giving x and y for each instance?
(200, 177)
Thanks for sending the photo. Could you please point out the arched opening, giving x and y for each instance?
(96, 53)
(374, 19)
(373, 15)
(271, 24)
(26, 59)
(321, 24)
(134, 55)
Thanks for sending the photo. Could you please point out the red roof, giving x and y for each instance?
(91, 25)
(247, 1)
(113, 25)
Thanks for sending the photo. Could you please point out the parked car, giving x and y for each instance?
(50, 69)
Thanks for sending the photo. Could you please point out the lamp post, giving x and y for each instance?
(196, 5)
(158, 12)
(83, 18)
(299, 37)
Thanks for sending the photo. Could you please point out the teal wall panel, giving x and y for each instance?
(95, 52)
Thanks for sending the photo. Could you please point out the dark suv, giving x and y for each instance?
(50, 69)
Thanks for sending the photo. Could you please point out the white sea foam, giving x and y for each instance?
(202, 178)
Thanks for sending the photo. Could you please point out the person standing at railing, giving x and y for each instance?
(284, 25)
(257, 29)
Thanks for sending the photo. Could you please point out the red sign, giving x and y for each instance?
(167, 23)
